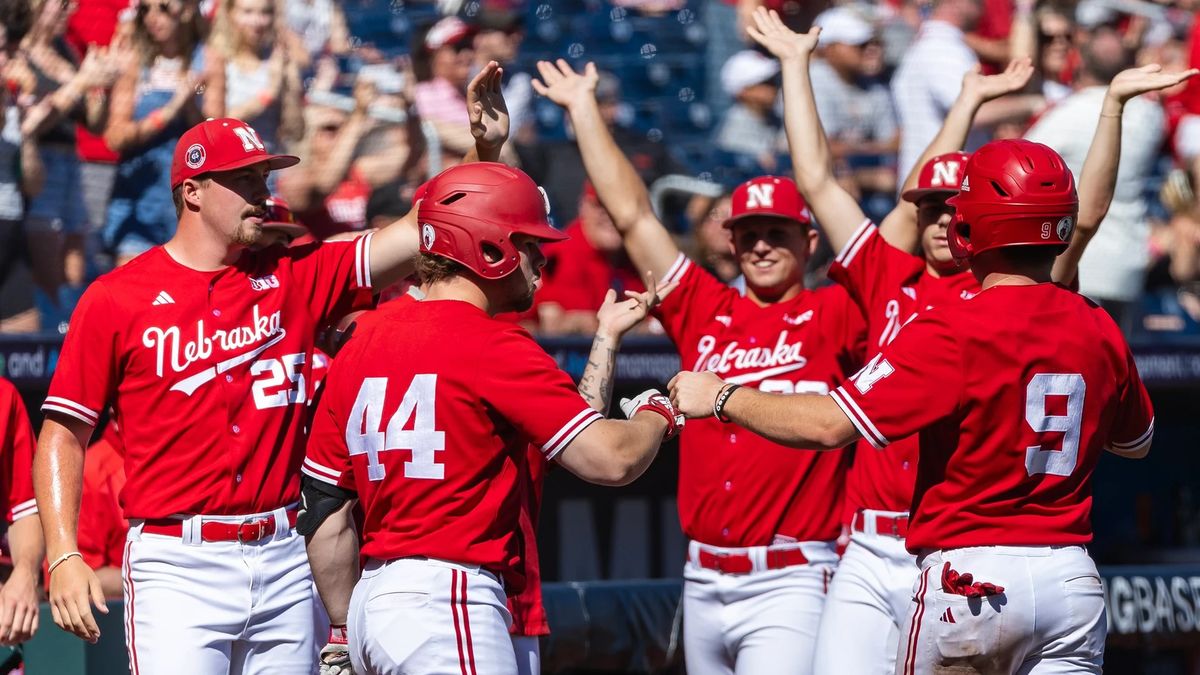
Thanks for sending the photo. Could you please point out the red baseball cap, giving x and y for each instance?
(774, 196)
(940, 176)
(280, 217)
(221, 145)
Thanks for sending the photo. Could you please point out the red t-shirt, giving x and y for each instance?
(207, 372)
(891, 288)
(93, 23)
(737, 488)
(343, 210)
(577, 276)
(528, 612)
(16, 455)
(461, 412)
(102, 528)
(1015, 393)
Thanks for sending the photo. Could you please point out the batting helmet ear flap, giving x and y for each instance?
(958, 238)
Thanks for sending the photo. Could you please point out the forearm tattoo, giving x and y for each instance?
(596, 385)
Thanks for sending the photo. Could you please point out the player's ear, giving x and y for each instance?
(813, 240)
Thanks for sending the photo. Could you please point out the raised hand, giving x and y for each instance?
(783, 42)
(1136, 81)
(562, 85)
(486, 107)
(615, 319)
(987, 87)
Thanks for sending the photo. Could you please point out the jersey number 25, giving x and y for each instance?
(365, 434)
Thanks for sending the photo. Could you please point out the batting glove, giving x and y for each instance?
(657, 402)
(335, 657)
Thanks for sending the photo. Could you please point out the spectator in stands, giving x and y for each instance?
(558, 167)
(55, 219)
(1176, 272)
(1046, 35)
(156, 98)
(443, 69)
(750, 126)
(499, 37)
(714, 243)
(326, 191)
(98, 22)
(929, 76)
(102, 528)
(20, 177)
(255, 71)
(1113, 269)
(857, 116)
(320, 27)
(580, 270)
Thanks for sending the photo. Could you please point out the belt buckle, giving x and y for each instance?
(260, 530)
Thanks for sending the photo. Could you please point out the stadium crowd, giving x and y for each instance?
(98, 92)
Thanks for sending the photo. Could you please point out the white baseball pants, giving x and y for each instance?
(1050, 619)
(418, 616)
(219, 608)
(868, 598)
(761, 622)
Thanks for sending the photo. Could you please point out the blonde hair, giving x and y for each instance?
(192, 30)
(225, 38)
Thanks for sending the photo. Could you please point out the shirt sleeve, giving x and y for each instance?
(698, 298)
(867, 265)
(1133, 427)
(326, 457)
(328, 271)
(85, 377)
(17, 453)
(908, 386)
(947, 83)
(526, 386)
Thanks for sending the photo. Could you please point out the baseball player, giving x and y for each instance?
(614, 319)
(1015, 393)
(869, 596)
(430, 434)
(202, 348)
(18, 594)
(762, 519)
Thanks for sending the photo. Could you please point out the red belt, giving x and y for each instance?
(740, 563)
(894, 526)
(213, 530)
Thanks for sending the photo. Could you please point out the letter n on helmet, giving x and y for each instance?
(470, 212)
(1014, 193)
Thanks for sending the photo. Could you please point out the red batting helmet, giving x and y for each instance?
(1015, 193)
(772, 196)
(279, 217)
(940, 176)
(470, 212)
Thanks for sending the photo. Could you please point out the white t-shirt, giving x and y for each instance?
(925, 85)
(12, 206)
(1114, 265)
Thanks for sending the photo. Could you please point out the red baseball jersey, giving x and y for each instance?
(433, 431)
(16, 455)
(891, 288)
(207, 371)
(735, 487)
(102, 528)
(1015, 393)
(528, 612)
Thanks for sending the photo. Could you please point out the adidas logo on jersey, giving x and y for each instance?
(947, 617)
(163, 298)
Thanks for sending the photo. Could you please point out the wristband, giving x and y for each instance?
(337, 635)
(722, 399)
(62, 559)
(155, 120)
